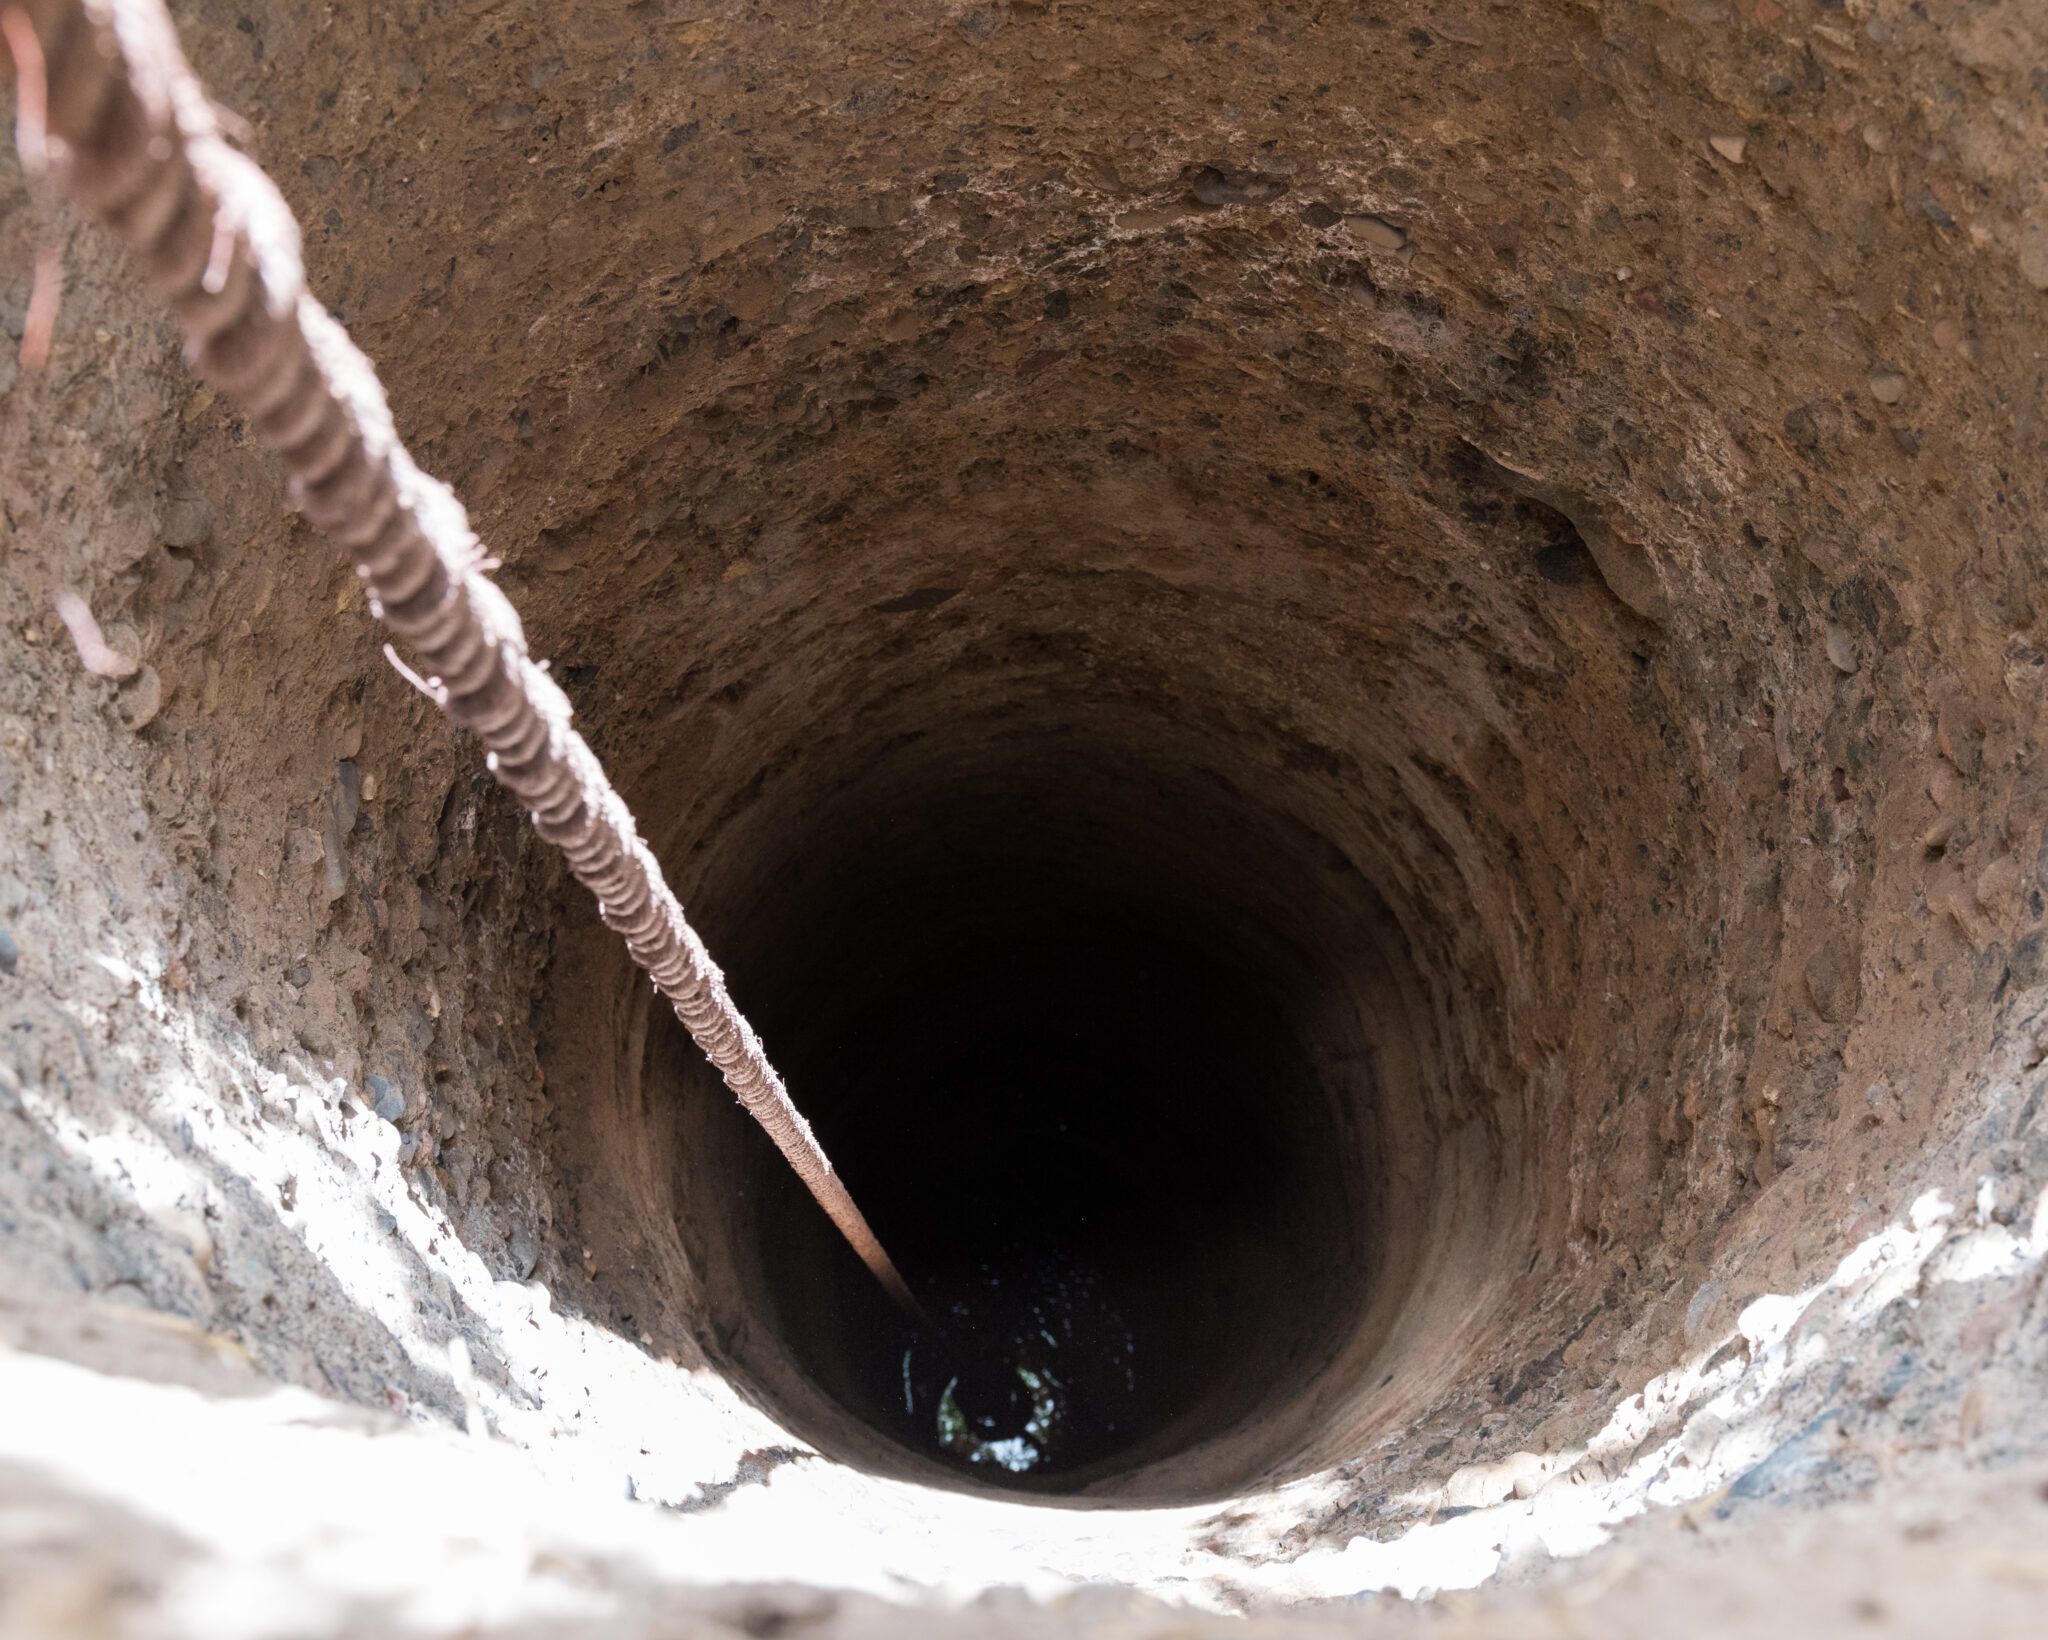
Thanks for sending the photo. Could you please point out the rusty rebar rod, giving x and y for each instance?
(130, 135)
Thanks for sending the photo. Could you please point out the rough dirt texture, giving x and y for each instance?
(1569, 475)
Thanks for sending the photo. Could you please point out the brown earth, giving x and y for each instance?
(1513, 533)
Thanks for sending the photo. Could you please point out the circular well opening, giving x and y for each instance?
(1101, 1044)
(1065, 1053)
(1185, 979)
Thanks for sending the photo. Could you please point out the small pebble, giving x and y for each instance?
(1888, 387)
(1841, 649)
(10, 953)
(2034, 255)
(1928, 205)
(1948, 335)
(1998, 886)
(140, 699)
(387, 1099)
(385, 1222)
(1729, 148)
(523, 1248)
(1378, 233)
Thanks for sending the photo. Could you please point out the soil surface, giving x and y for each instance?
(1516, 530)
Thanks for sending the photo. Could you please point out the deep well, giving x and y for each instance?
(1353, 691)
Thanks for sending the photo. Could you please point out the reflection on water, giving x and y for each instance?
(1019, 1452)
(1036, 1367)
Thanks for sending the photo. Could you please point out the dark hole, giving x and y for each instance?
(1088, 1132)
